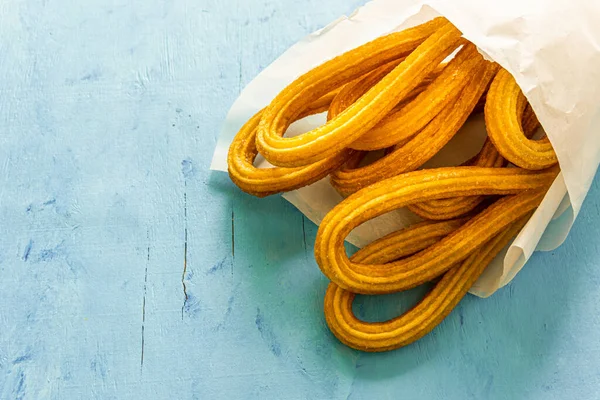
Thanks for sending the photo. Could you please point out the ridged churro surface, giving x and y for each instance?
(503, 113)
(426, 144)
(419, 186)
(367, 111)
(419, 320)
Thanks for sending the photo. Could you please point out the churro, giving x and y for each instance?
(426, 315)
(365, 113)
(426, 144)
(263, 182)
(418, 186)
(440, 94)
(354, 90)
(503, 111)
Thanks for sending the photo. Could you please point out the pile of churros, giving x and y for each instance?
(392, 104)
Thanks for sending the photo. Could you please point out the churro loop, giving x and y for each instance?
(365, 113)
(263, 182)
(414, 116)
(503, 110)
(426, 144)
(415, 187)
(444, 209)
(421, 319)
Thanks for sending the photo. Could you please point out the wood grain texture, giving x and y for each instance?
(128, 270)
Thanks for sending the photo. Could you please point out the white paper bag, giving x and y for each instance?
(551, 47)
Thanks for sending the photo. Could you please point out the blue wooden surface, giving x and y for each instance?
(128, 270)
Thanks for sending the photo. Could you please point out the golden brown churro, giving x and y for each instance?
(503, 110)
(411, 118)
(421, 319)
(263, 182)
(356, 89)
(361, 116)
(427, 143)
(418, 186)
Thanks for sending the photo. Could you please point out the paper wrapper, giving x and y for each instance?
(552, 48)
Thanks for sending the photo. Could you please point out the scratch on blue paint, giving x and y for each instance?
(74, 266)
(20, 390)
(230, 305)
(50, 202)
(47, 255)
(267, 333)
(192, 305)
(92, 76)
(42, 206)
(350, 395)
(98, 365)
(23, 358)
(488, 386)
(218, 266)
(301, 367)
(266, 18)
(27, 250)
(66, 371)
(229, 310)
(190, 274)
(187, 168)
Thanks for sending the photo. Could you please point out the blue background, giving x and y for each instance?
(128, 270)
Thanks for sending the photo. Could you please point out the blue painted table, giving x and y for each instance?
(128, 270)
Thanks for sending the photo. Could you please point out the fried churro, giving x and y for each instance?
(503, 111)
(365, 113)
(262, 182)
(418, 186)
(413, 117)
(357, 88)
(354, 90)
(426, 315)
(426, 144)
